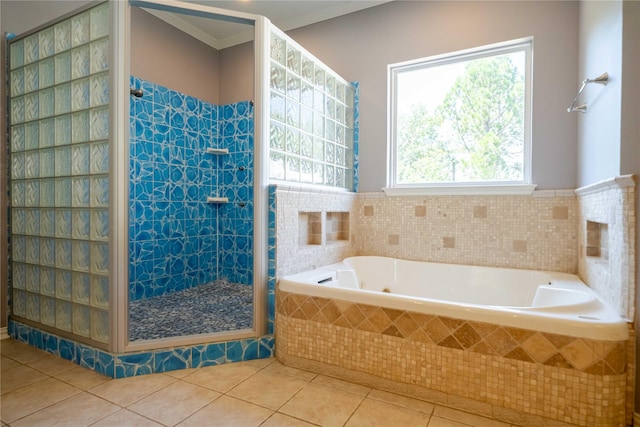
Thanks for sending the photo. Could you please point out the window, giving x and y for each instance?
(461, 119)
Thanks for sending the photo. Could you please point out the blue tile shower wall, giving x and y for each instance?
(177, 240)
(235, 181)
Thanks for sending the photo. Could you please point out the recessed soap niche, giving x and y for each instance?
(598, 240)
(337, 226)
(312, 226)
(309, 228)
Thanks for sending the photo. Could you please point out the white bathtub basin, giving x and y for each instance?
(538, 300)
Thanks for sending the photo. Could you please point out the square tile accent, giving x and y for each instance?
(520, 246)
(479, 211)
(560, 212)
(448, 242)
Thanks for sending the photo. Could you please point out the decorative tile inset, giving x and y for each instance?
(520, 246)
(448, 242)
(560, 212)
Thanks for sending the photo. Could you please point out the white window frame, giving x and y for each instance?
(524, 186)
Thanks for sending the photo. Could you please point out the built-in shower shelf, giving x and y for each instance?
(218, 151)
(217, 200)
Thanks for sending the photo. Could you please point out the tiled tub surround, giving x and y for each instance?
(611, 205)
(532, 232)
(294, 251)
(177, 240)
(517, 375)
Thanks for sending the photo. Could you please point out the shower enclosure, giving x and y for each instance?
(130, 198)
(191, 182)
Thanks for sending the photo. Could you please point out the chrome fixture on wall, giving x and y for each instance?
(136, 92)
(602, 79)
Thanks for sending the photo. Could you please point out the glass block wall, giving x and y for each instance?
(176, 239)
(312, 118)
(59, 155)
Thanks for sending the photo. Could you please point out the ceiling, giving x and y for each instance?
(286, 15)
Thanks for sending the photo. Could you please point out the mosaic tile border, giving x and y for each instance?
(599, 358)
(515, 391)
(149, 362)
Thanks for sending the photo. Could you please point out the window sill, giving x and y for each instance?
(463, 190)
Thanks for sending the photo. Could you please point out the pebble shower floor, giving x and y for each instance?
(213, 307)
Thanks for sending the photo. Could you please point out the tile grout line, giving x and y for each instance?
(175, 380)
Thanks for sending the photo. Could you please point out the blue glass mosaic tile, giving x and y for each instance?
(105, 364)
(171, 360)
(85, 356)
(266, 347)
(35, 338)
(67, 349)
(51, 344)
(208, 355)
(130, 365)
(242, 350)
(22, 333)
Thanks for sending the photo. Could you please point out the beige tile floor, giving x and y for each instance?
(38, 389)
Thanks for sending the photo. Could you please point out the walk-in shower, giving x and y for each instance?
(142, 225)
(115, 240)
(191, 182)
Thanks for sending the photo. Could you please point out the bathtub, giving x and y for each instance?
(485, 339)
(542, 301)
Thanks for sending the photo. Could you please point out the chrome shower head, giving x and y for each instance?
(136, 92)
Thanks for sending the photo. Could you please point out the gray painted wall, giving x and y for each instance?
(630, 125)
(237, 73)
(360, 45)
(165, 55)
(599, 128)
(609, 133)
